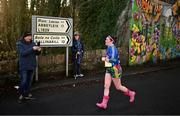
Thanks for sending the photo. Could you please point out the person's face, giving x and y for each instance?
(77, 37)
(28, 38)
(108, 41)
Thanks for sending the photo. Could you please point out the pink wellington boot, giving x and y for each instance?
(131, 94)
(104, 102)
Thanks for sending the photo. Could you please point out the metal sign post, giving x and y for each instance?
(53, 32)
(67, 59)
(36, 76)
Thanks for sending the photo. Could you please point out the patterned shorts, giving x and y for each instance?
(115, 71)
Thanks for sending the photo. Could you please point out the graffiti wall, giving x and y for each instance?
(155, 32)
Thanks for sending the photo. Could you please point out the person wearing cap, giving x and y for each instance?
(77, 54)
(113, 73)
(27, 51)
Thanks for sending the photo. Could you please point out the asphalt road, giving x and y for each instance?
(157, 93)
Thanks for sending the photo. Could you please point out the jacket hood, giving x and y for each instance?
(23, 36)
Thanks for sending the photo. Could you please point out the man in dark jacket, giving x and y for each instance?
(27, 51)
(77, 55)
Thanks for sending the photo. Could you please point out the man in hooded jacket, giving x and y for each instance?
(27, 51)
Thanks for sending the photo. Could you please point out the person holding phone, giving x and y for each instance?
(27, 51)
(113, 73)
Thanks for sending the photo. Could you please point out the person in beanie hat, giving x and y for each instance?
(113, 73)
(77, 54)
(27, 51)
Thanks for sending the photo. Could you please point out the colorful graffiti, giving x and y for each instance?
(154, 37)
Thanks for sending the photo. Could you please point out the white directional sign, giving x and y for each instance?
(52, 40)
(52, 31)
(53, 25)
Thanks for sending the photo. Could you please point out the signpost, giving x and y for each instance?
(52, 32)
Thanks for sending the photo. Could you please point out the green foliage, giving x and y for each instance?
(94, 18)
(14, 20)
(7, 55)
(98, 18)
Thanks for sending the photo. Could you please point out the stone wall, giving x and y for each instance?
(56, 63)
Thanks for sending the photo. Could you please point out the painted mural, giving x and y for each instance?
(155, 32)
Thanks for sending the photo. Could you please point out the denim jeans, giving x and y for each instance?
(77, 68)
(77, 64)
(26, 77)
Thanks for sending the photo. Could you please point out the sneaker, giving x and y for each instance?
(21, 97)
(75, 76)
(29, 96)
(16, 87)
(81, 75)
